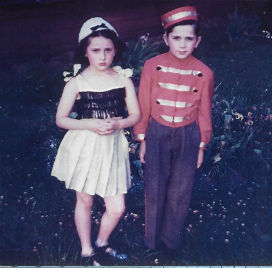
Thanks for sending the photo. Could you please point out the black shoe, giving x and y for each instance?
(106, 255)
(151, 257)
(169, 255)
(88, 260)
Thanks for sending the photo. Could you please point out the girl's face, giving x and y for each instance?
(182, 41)
(100, 52)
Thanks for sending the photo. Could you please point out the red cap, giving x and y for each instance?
(178, 15)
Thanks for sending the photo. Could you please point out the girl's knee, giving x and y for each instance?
(115, 205)
(84, 199)
(116, 211)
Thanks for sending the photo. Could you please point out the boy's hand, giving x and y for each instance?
(200, 158)
(142, 152)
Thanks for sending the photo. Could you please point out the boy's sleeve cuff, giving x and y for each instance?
(202, 145)
(140, 137)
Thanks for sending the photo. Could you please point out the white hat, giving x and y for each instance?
(92, 25)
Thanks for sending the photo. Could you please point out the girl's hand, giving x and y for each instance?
(99, 126)
(200, 158)
(114, 123)
(142, 152)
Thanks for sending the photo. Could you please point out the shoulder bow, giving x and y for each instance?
(68, 75)
(125, 72)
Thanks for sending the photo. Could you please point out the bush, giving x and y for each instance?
(241, 29)
(138, 51)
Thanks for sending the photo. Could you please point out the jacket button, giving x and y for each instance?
(158, 68)
(200, 75)
(195, 90)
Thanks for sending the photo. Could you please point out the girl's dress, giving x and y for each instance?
(92, 163)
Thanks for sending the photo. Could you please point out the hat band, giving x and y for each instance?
(100, 27)
(179, 15)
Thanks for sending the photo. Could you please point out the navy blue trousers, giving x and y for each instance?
(171, 159)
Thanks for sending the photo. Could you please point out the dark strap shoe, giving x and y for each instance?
(106, 255)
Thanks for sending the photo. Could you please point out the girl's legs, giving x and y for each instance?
(115, 207)
(83, 221)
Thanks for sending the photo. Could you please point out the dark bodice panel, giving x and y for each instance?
(102, 104)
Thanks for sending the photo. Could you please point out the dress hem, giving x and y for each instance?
(93, 193)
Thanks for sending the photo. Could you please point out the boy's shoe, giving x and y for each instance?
(151, 257)
(169, 255)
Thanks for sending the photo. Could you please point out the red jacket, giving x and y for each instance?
(176, 92)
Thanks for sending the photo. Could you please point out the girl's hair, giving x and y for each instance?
(185, 22)
(81, 50)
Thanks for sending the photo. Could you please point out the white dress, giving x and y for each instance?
(92, 163)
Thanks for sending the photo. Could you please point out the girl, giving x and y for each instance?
(93, 155)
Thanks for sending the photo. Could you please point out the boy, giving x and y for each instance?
(175, 97)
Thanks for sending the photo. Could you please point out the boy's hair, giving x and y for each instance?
(184, 22)
(81, 50)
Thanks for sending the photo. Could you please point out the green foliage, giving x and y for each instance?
(138, 51)
(241, 136)
(241, 112)
(242, 28)
(36, 80)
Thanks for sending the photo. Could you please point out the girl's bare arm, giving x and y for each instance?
(132, 106)
(65, 106)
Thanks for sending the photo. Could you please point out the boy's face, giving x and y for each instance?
(182, 41)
